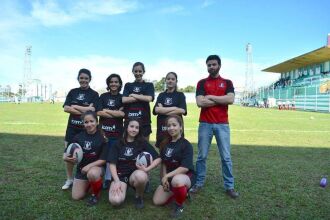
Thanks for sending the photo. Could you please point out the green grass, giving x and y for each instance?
(279, 158)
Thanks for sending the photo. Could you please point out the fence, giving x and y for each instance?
(305, 98)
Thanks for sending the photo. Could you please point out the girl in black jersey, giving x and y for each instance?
(177, 167)
(169, 102)
(111, 117)
(136, 98)
(122, 158)
(78, 101)
(90, 169)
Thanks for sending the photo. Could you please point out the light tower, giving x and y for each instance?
(249, 81)
(27, 74)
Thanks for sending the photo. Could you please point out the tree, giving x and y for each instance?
(188, 89)
(160, 85)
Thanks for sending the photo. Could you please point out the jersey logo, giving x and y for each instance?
(168, 101)
(111, 102)
(109, 128)
(81, 96)
(137, 89)
(88, 145)
(169, 152)
(135, 114)
(222, 85)
(128, 151)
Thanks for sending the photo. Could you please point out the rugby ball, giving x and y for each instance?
(75, 150)
(144, 159)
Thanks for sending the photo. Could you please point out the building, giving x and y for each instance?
(304, 81)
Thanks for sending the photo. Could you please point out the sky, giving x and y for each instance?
(109, 36)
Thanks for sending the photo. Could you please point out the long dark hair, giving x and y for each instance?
(138, 64)
(176, 78)
(138, 138)
(168, 138)
(114, 75)
(94, 115)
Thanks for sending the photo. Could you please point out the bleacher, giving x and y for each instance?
(304, 81)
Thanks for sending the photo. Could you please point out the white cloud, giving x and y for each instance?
(207, 3)
(61, 72)
(51, 13)
(173, 9)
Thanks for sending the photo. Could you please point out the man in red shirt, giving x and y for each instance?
(213, 95)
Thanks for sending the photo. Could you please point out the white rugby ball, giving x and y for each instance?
(75, 150)
(144, 159)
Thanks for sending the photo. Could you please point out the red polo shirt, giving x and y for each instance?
(219, 87)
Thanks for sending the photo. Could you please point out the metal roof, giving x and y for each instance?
(316, 56)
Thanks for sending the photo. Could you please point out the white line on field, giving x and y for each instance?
(269, 130)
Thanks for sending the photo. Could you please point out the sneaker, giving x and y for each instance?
(106, 184)
(67, 184)
(177, 211)
(147, 187)
(139, 204)
(232, 194)
(92, 200)
(195, 189)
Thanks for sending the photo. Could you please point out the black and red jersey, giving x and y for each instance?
(81, 97)
(112, 127)
(94, 147)
(124, 155)
(219, 87)
(139, 110)
(168, 99)
(177, 154)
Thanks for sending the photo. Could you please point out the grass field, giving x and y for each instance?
(279, 158)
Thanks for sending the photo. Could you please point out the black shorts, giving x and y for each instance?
(80, 176)
(146, 130)
(71, 133)
(124, 178)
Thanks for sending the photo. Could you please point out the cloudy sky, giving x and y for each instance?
(108, 36)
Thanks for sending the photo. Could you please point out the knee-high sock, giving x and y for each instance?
(180, 194)
(96, 186)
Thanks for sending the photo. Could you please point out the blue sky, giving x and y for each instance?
(109, 36)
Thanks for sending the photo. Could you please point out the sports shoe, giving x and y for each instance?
(92, 200)
(232, 194)
(195, 189)
(68, 183)
(177, 211)
(139, 204)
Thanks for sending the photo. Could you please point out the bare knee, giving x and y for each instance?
(93, 174)
(140, 177)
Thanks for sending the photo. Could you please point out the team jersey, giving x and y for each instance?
(81, 97)
(124, 155)
(139, 110)
(177, 154)
(94, 147)
(219, 87)
(112, 127)
(168, 99)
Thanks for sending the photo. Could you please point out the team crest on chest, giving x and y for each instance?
(128, 151)
(88, 145)
(81, 96)
(168, 101)
(111, 102)
(169, 152)
(137, 89)
(222, 85)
